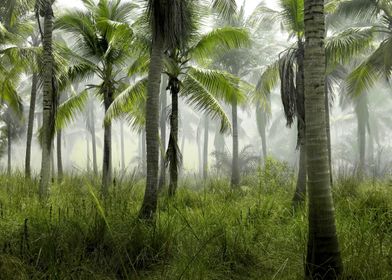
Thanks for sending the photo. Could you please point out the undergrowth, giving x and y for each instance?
(208, 231)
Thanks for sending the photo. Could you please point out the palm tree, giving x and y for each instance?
(44, 9)
(323, 254)
(103, 44)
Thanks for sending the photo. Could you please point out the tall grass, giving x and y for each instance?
(209, 232)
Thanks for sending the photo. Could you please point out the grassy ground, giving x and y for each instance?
(207, 232)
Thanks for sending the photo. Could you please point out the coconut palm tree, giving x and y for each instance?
(323, 259)
(103, 45)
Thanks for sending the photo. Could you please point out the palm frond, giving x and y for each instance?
(68, 110)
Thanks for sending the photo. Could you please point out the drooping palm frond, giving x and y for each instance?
(358, 9)
(375, 67)
(287, 75)
(199, 96)
(125, 103)
(68, 110)
(292, 15)
(219, 41)
(342, 47)
(266, 83)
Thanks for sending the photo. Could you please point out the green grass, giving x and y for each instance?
(207, 232)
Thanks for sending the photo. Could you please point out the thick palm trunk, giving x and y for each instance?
(9, 147)
(30, 125)
(122, 147)
(162, 177)
(323, 254)
(173, 151)
(150, 200)
(107, 147)
(49, 99)
(235, 172)
(205, 150)
(60, 172)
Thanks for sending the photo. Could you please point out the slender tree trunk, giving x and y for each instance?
(49, 99)
(162, 177)
(205, 150)
(30, 125)
(150, 200)
(122, 146)
(235, 173)
(9, 146)
(323, 259)
(199, 154)
(59, 157)
(88, 153)
(361, 110)
(107, 147)
(93, 141)
(328, 134)
(261, 119)
(173, 151)
(300, 191)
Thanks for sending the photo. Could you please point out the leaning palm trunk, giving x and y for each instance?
(107, 146)
(60, 171)
(150, 200)
(30, 125)
(173, 151)
(235, 173)
(205, 150)
(49, 99)
(323, 254)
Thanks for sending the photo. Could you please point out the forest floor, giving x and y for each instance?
(208, 231)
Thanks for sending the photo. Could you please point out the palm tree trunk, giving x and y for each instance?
(235, 173)
(300, 191)
(49, 99)
(329, 135)
(9, 146)
(107, 147)
(361, 110)
(173, 152)
(122, 146)
(88, 153)
(30, 125)
(60, 172)
(150, 200)
(261, 119)
(323, 259)
(205, 150)
(162, 177)
(93, 141)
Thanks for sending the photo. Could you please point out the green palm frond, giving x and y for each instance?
(375, 67)
(139, 66)
(226, 8)
(262, 15)
(199, 96)
(268, 81)
(362, 10)
(126, 102)
(219, 41)
(293, 15)
(342, 47)
(68, 110)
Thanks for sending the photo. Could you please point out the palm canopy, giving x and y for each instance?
(103, 39)
(378, 64)
(201, 88)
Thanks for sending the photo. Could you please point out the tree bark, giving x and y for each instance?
(323, 259)
(49, 99)
(205, 150)
(30, 125)
(162, 177)
(173, 151)
(235, 173)
(150, 200)
(107, 146)
(60, 171)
